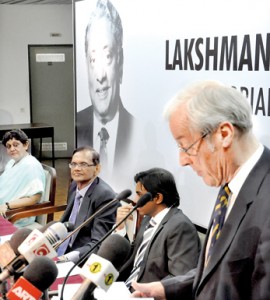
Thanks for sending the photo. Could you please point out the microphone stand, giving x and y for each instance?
(94, 247)
(124, 194)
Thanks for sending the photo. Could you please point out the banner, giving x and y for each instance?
(166, 46)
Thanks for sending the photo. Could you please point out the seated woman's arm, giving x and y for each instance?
(21, 202)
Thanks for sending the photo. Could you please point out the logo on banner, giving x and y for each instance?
(43, 250)
(95, 267)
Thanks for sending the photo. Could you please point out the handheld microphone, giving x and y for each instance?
(9, 249)
(38, 276)
(101, 269)
(36, 244)
(123, 195)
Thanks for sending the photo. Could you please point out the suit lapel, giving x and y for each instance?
(84, 209)
(155, 236)
(245, 198)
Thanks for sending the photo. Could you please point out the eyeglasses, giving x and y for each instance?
(82, 165)
(189, 151)
(14, 145)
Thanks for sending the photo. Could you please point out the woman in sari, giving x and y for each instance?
(23, 180)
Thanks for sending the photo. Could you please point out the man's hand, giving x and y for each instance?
(152, 289)
(122, 211)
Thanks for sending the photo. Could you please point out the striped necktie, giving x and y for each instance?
(140, 253)
(72, 219)
(218, 217)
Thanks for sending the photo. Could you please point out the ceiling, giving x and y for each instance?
(35, 2)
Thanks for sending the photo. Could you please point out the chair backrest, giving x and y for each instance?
(49, 193)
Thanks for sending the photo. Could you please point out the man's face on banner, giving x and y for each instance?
(104, 70)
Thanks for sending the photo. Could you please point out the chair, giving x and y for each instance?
(45, 209)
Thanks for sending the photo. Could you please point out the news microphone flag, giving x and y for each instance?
(23, 289)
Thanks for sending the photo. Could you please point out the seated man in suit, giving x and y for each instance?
(87, 194)
(173, 244)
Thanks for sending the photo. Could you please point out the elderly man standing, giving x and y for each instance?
(212, 125)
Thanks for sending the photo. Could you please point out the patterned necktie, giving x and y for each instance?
(72, 219)
(140, 253)
(104, 137)
(218, 217)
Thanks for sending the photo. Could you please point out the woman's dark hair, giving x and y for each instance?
(158, 180)
(95, 154)
(16, 134)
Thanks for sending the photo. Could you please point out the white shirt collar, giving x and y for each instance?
(237, 182)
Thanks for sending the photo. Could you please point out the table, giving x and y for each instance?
(6, 228)
(33, 130)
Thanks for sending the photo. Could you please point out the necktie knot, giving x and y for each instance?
(104, 135)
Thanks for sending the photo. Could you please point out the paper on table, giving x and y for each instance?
(64, 267)
(69, 290)
(117, 291)
(4, 238)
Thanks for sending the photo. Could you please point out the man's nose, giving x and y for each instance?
(100, 72)
(184, 159)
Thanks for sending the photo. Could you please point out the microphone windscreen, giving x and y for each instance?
(45, 227)
(41, 272)
(57, 231)
(123, 195)
(69, 226)
(144, 199)
(18, 237)
(115, 249)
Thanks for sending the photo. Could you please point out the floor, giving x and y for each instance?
(62, 182)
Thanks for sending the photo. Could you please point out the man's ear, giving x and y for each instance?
(227, 132)
(158, 198)
(97, 169)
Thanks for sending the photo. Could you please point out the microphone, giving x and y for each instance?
(9, 249)
(38, 276)
(123, 195)
(36, 244)
(141, 202)
(101, 269)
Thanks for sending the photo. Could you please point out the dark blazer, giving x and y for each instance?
(124, 164)
(240, 265)
(173, 250)
(96, 196)
(124, 133)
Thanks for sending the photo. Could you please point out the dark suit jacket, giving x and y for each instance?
(240, 264)
(99, 194)
(173, 250)
(124, 133)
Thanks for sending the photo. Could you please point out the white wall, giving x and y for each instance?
(21, 25)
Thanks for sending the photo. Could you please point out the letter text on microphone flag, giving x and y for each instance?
(36, 244)
(100, 271)
(24, 290)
